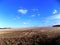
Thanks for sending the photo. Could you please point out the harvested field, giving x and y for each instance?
(30, 36)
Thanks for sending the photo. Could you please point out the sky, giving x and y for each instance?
(29, 13)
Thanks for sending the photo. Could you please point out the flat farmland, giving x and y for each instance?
(30, 36)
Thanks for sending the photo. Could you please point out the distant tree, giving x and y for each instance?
(56, 25)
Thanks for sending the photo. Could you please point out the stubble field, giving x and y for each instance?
(30, 36)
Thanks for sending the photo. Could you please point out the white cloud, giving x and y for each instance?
(52, 20)
(56, 22)
(57, 16)
(17, 17)
(25, 23)
(54, 11)
(33, 15)
(22, 11)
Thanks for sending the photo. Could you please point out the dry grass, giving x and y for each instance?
(30, 36)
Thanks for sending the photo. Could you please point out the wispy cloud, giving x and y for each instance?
(17, 17)
(54, 11)
(22, 11)
(33, 15)
(57, 16)
(25, 23)
(53, 20)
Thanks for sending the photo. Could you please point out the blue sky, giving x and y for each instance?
(29, 13)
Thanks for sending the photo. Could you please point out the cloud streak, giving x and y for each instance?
(57, 16)
(17, 17)
(22, 11)
(53, 20)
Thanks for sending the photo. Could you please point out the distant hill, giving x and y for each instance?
(56, 25)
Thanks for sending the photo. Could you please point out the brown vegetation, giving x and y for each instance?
(30, 36)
